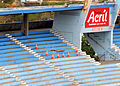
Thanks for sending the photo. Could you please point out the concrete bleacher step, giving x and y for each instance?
(56, 52)
(86, 72)
(11, 83)
(49, 45)
(10, 60)
(42, 42)
(34, 36)
(65, 83)
(100, 83)
(9, 47)
(61, 55)
(7, 80)
(15, 53)
(19, 65)
(56, 82)
(89, 69)
(110, 84)
(91, 76)
(33, 71)
(39, 39)
(80, 60)
(5, 39)
(21, 72)
(116, 36)
(30, 33)
(102, 79)
(94, 77)
(51, 48)
(11, 50)
(71, 62)
(16, 57)
(7, 43)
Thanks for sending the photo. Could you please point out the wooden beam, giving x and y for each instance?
(25, 25)
(86, 6)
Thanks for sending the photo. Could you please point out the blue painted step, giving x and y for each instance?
(4, 39)
(116, 36)
(55, 52)
(14, 53)
(7, 43)
(117, 26)
(24, 64)
(11, 50)
(19, 61)
(50, 45)
(16, 57)
(30, 33)
(38, 39)
(117, 29)
(115, 33)
(39, 32)
(89, 68)
(47, 49)
(2, 36)
(26, 69)
(102, 82)
(60, 55)
(34, 36)
(50, 82)
(10, 46)
(99, 78)
(44, 42)
(65, 59)
(116, 39)
(37, 71)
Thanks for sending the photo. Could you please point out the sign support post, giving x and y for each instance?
(25, 25)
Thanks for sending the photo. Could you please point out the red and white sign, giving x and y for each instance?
(97, 17)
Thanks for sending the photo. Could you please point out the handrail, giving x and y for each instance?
(103, 47)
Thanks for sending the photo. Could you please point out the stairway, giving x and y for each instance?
(18, 67)
(7, 80)
(46, 42)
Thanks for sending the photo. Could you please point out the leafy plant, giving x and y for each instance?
(88, 48)
(8, 1)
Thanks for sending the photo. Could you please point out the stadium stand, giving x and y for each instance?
(18, 67)
(116, 35)
(6, 78)
(46, 41)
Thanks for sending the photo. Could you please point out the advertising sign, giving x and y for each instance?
(97, 17)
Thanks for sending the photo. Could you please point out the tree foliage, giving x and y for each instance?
(2, 5)
(8, 1)
(88, 48)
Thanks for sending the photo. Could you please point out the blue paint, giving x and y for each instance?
(51, 9)
(71, 25)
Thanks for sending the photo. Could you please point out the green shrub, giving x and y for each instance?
(8, 1)
(88, 49)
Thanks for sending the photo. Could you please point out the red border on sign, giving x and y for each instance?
(97, 17)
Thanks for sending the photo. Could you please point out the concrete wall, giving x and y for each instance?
(101, 43)
(67, 23)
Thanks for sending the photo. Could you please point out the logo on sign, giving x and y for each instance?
(97, 17)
